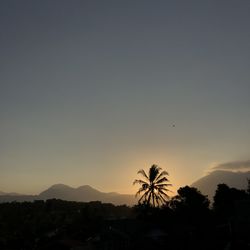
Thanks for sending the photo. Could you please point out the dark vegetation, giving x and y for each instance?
(186, 221)
(154, 186)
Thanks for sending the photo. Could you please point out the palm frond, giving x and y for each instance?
(163, 179)
(139, 182)
(157, 200)
(143, 188)
(144, 196)
(163, 185)
(164, 189)
(142, 172)
(149, 197)
(161, 175)
(163, 200)
(163, 193)
(153, 172)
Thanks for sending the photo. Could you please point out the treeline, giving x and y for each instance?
(187, 221)
(31, 225)
(192, 221)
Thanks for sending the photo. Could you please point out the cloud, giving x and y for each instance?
(233, 165)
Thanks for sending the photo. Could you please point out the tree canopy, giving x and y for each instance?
(154, 186)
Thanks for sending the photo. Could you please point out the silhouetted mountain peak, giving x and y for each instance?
(60, 186)
(87, 188)
(208, 184)
(84, 193)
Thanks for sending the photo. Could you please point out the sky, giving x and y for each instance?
(91, 91)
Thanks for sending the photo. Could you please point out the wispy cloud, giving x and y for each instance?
(233, 165)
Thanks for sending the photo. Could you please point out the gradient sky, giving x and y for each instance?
(90, 90)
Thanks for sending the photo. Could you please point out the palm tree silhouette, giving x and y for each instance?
(154, 186)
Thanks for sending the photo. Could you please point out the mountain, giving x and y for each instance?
(9, 194)
(208, 184)
(83, 193)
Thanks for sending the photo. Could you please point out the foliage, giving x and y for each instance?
(154, 186)
(191, 198)
(225, 198)
(190, 204)
(185, 222)
(248, 186)
(23, 225)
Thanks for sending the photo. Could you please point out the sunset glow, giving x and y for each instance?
(93, 91)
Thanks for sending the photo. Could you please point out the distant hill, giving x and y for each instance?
(83, 193)
(18, 198)
(208, 184)
(10, 194)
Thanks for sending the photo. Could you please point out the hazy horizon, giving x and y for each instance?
(93, 91)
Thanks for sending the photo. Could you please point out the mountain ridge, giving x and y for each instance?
(208, 184)
(84, 193)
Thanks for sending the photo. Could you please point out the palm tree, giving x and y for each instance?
(154, 186)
